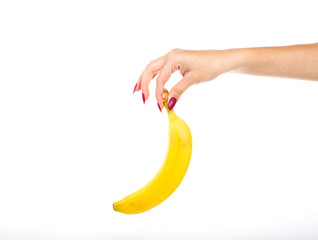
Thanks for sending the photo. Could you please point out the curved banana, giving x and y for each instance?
(171, 173)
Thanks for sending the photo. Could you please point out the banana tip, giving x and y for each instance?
(114, 207)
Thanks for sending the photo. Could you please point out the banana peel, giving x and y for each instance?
(171, 173)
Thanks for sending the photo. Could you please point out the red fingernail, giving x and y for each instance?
(143, 98)
(159, 107)
(172, 102)
(135, 87)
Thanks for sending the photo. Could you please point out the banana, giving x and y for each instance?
(171, 173)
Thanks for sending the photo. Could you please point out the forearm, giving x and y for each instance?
(297, 61)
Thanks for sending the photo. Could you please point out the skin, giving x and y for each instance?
(296, 61)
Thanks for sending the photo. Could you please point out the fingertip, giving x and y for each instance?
(135, 88)
(172, 102)
(143, 98)
(159, 99)
(147, 94)
(160, 108)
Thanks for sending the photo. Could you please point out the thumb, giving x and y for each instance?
(178, 90)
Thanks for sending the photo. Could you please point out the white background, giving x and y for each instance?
(74, 139)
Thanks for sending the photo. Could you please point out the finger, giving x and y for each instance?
(146, 78)
(178, 90)
(149, 73)
(138, 84)
(157, 65)
(171, 65)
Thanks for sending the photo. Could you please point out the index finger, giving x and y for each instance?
(161, 81)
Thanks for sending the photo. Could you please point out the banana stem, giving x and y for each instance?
(165, 99)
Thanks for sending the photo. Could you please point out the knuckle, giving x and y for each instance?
(178, 91)
(160, 80)
(150, 64)
(158, 91)
(174, 55)
(175, 50)
(143, 83)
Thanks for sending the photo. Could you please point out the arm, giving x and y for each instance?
(297, 61)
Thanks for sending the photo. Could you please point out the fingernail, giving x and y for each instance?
(143, 98)
(172, 102)
(135, 88)
(159, 107)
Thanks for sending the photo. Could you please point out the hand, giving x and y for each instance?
(297, 61)
(194, 66)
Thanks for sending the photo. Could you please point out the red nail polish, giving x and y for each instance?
(135, 88)
(143, 98)
(171, 103)
(159, 107)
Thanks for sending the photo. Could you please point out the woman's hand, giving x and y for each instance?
(296, 61)
(194, 66)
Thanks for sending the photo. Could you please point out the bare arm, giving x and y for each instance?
(297, 61)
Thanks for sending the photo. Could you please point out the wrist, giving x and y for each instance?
(237, 59)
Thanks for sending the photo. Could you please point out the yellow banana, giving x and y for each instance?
(171, 173)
